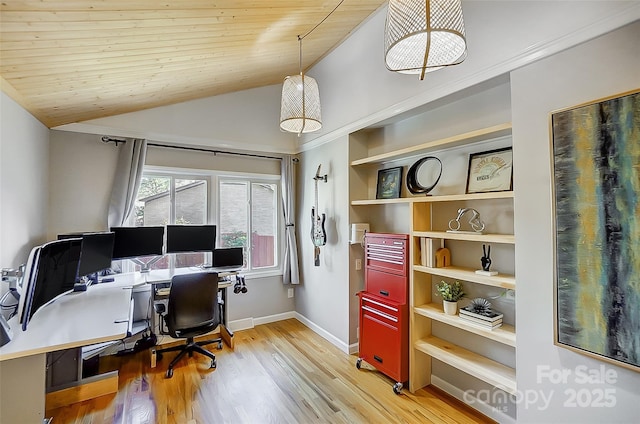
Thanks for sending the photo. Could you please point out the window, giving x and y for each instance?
(245, 211)
(248, 218)
(169, 199)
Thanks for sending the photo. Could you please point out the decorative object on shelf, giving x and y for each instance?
(450, 294)
(475, 222)
(596, 152)
(389, 183)
(358, 230)
(486, 262)
(423, 175)
(480, 314)
(490, 171)
(443, 257)
(318, 234)
(423, 36)
(300, 104)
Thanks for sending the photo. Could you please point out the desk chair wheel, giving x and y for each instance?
(213, 364)
(219, 345)
(359, 363)
(169, 373)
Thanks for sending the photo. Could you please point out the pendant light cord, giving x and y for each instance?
(320, 23)
(301, 37)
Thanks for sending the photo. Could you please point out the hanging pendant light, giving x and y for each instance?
(300, 106)
(423, 36)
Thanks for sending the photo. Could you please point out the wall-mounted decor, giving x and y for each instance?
(389, 183)
(490, 171)
(596, 152)
(424, 174)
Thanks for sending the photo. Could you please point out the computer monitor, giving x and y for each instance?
(191, 238)
(134, 242)
(232, 257)
(96, 253)
(52, 271)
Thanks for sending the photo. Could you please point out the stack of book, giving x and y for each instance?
(428, 249)
(489, 319)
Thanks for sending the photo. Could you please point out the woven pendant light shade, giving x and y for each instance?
(423, 36)
(300, 106)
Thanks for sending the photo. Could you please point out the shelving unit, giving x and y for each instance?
(423, 310)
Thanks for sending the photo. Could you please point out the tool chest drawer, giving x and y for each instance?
(387, 252)
(384, 336)
(389, 286)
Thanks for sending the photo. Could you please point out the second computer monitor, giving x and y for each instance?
(96, 253)
(191, 238)
(134, 242)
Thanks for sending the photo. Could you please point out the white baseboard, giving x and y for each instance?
(323, 333)
(274, 318)
(479, 405)
(247, 323)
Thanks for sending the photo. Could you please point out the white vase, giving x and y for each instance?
(450, 308)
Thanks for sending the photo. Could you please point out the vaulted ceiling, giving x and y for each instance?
(69, 61)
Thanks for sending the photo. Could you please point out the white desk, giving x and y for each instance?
(100, 314)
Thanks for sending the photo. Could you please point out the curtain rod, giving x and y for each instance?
(199, 149)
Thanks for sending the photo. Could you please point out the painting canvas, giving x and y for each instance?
(596, 159)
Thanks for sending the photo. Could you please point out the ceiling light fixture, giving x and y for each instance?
(423, 36)
(300, 106)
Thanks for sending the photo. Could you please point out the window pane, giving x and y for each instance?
(153, 204)
(263, 228)
(234, 214)
(191, 208)
(153, 207)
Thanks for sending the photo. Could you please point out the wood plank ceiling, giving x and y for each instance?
(69, 61)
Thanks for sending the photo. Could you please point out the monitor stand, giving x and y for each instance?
(145, 266)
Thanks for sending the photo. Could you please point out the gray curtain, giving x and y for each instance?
(127, 181)
(291, 274)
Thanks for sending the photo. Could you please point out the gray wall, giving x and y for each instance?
(24, 169)
(599, 68)
(81, 173)
(323, 297)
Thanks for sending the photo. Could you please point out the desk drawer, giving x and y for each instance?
(387, 252)
(384, 336)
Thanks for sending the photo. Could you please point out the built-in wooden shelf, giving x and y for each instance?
(488, 133)
(494, 373)
(435, 199)
(505, 334)
(505, 281)
(487, 238)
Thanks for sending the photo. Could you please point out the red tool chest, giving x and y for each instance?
(384, 318)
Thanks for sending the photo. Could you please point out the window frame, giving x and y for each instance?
(253, 178)
(213, 178)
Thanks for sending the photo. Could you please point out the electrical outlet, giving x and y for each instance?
(290, 292)
(358, 264)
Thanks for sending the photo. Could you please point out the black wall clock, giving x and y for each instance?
(424, 175)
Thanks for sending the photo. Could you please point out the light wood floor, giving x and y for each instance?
(278, 373)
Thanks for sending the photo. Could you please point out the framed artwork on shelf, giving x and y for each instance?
(596, 151)
(389, 183)
(490, 171)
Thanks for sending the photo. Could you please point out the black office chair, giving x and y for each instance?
(192, 310)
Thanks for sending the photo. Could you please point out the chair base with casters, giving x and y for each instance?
(191, 347)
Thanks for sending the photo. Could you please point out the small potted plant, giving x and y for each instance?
(450, 294)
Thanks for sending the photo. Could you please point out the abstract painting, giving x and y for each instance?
(596, 159)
